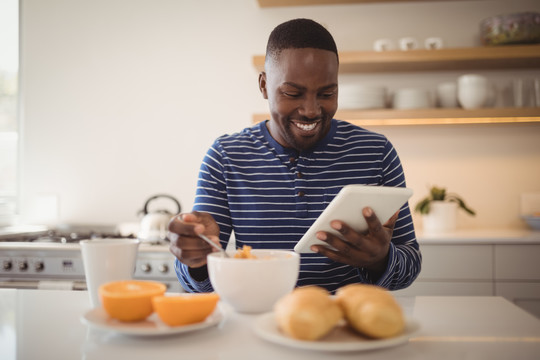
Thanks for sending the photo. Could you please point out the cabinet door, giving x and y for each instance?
(456, 262)
(517, 262)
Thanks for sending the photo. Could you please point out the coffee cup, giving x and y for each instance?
(383, 45)
(472, 91)
(433, 43)
(107, 260)
(408, 43)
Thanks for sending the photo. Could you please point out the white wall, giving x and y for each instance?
(122, 98)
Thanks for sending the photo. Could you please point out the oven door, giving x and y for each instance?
(42, 284)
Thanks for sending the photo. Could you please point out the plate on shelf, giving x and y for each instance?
(98, 319)
(341, 339)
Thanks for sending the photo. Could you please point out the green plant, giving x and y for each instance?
(440, 194)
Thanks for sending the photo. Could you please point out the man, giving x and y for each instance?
(270, 182)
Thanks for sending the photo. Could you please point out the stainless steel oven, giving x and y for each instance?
(51, 258)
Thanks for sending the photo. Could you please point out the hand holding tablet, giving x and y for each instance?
(347, 207)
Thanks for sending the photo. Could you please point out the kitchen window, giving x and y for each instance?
(9, 104)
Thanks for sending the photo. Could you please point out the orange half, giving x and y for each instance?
(130, 300)
(184, 309)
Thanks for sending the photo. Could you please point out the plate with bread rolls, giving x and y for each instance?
(358, 318)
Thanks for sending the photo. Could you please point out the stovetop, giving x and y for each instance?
(62, 234)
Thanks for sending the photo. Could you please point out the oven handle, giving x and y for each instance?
(48, 285)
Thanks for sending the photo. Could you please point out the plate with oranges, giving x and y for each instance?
(141, 308)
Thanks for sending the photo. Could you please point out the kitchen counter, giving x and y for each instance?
(481, 236)
(46, 324)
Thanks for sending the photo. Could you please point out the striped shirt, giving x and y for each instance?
(270, 195)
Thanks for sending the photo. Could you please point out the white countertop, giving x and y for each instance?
(40, 324)
(481, 236)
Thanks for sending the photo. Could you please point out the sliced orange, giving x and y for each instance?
(130, 300)
(184, 309)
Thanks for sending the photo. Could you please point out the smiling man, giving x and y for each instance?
(270, 182)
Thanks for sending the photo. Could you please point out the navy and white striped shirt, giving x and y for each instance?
(270, 195)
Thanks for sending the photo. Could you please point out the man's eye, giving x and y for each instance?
(328, 94)
(292, 94)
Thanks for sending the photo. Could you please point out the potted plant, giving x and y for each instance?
(439, 210)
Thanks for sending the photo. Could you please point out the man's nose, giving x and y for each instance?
(310, 107)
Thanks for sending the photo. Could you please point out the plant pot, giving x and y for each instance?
(441, 218)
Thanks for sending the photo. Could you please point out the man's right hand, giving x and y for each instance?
(188, 248)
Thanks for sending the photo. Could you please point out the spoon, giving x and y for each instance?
(202, 236)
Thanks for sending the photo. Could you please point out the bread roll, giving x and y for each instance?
(371, 310)
(307, 313)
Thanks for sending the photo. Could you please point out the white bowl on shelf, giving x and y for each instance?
(412, 98)
(354, 96)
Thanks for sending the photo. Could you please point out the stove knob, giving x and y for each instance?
(39, 266)
(23, 265)
(7, 265)
(163, 268)
(146, 267)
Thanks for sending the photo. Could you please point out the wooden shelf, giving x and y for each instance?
(390, 117)
(280, 3)
(495, 57)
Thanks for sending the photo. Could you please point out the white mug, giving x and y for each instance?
(408, 43)
(433, 43)
(383, 45)
(107, 260)
(472, 91)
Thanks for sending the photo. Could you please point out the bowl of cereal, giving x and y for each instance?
(253, 280)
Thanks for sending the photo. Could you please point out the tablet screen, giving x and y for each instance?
(347, 206)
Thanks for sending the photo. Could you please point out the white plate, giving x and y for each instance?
(340, 339)
(97, 318)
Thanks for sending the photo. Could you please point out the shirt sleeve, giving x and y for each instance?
(210, 197)
(404, 257)
(188, 283)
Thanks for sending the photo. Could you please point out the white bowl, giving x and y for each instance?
(254, 285)
(412, 98)
(472, 91)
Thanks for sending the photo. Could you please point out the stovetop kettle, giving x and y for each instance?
(154, 224)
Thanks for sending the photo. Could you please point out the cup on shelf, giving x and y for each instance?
(536, 92)
(447, 94)
(383, 45)
(433, 43)
(408, 43)
(518, 92)
(473, 91)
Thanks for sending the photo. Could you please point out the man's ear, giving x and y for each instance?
(262, 84)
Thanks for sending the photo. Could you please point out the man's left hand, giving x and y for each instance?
(367, 250)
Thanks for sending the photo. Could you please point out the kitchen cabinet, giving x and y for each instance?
(493, 58)
(481, 269)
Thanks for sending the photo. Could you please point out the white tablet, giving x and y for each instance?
(347, 206)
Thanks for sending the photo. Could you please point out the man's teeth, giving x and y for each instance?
(306, 127)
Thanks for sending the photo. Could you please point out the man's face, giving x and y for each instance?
(301, 88)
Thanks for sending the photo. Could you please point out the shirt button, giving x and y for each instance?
(299, 175)
(301, 193)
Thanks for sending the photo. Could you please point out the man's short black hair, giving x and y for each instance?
(299, 34)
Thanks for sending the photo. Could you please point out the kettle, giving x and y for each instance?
(154, 225)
